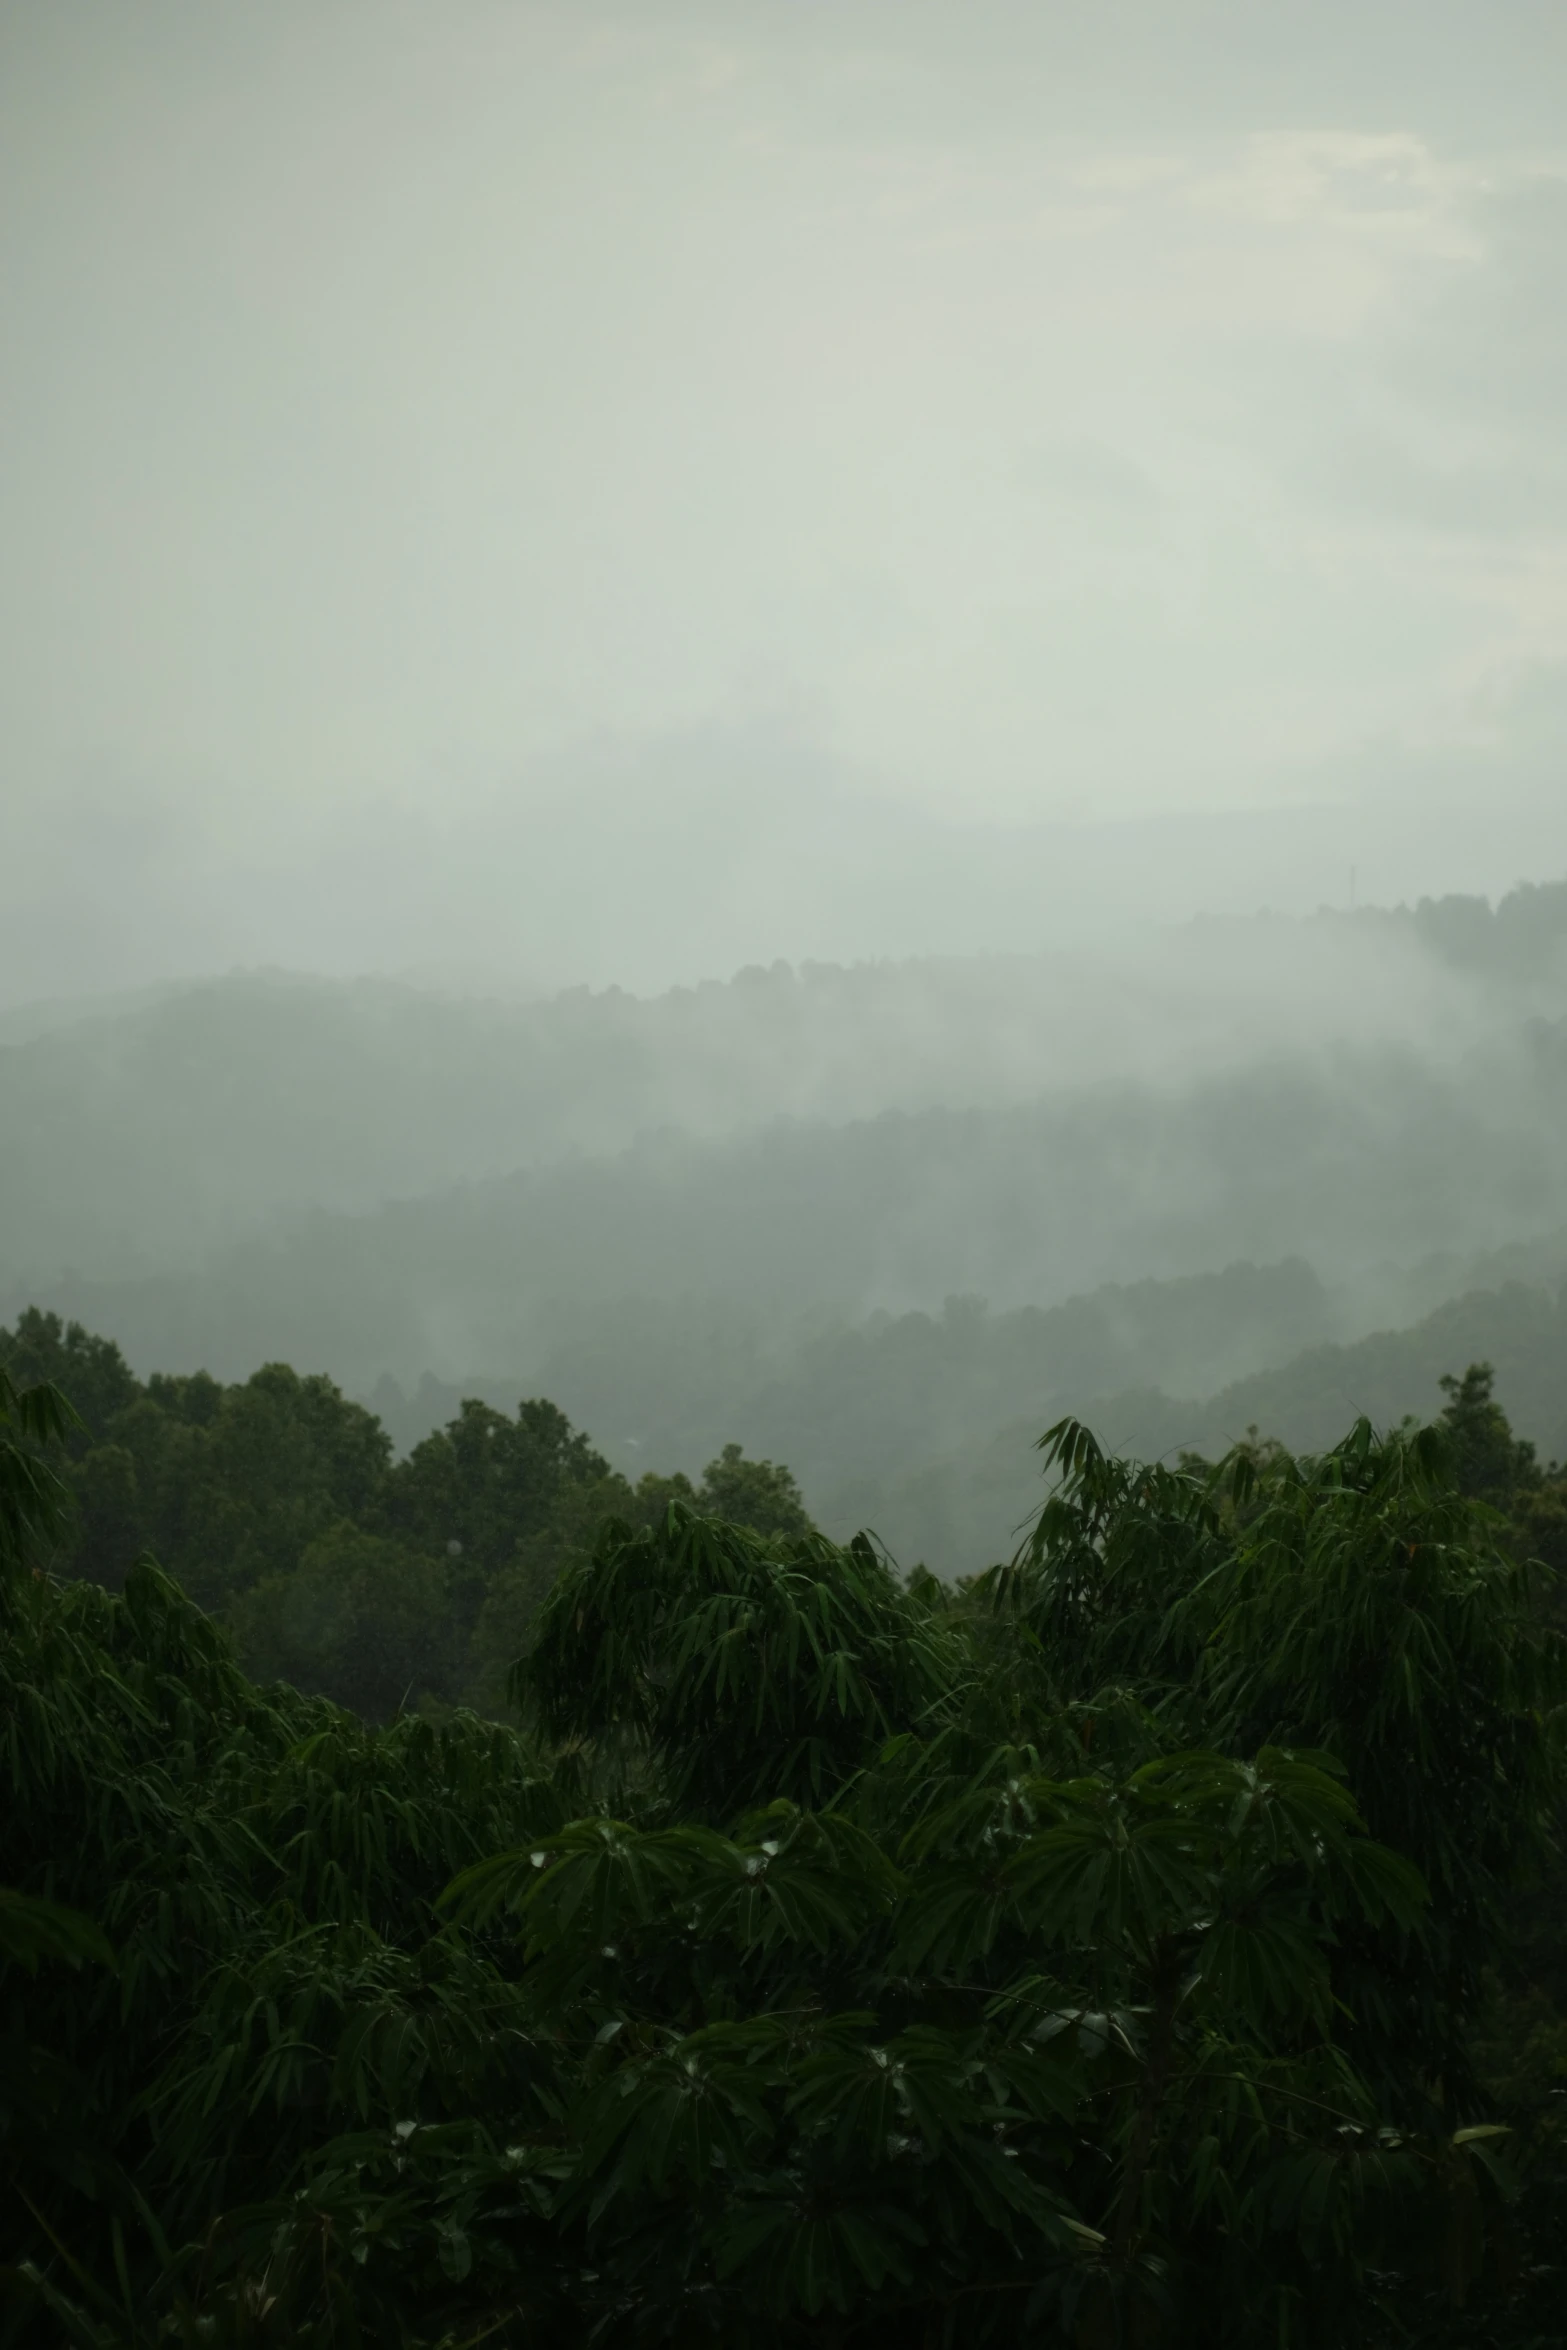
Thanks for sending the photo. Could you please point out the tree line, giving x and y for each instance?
(1152, 1940)
(275, 1503)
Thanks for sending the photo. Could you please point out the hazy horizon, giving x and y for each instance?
(508, 503)
(606, 495)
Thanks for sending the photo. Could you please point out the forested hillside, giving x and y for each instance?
(1148, 1942)
(965, 1500)
(878, 1222)
(276, 1504)
(1346, 1164)
(292, 1512)
(922, 1425)
(135, 1139)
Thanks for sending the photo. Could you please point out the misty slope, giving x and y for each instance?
(133, 1139)
(846, 1401)
(735, 1212)
(925, 1427)
(965, 1506)
(1347, 1159)
(1521, 1329)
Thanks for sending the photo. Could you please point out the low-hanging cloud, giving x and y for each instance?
(463, 459)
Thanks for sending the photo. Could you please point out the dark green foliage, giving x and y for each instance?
(43, 1351)
(758, 1494)
(263, 1869)
(33, 1500)
(748, 1666)
(226, 1484)
(477, 1487)
(775, 2164)
(1355, 1604)
(860, 1965)
(1521, 2038)
(360, 1618)
(276, 1504)
(1489, 1462)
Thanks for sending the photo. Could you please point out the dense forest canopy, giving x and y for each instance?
(277, 1506)
(1155, 1939)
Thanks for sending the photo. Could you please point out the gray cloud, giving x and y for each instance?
(472, 475)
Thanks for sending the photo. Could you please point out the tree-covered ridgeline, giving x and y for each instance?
(275, 1503)
(348, 1096)
(1129, 1946)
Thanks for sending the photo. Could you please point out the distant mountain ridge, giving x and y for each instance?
(137, 1139)
(926, 1427)
(771, 1210)
(1347, 1161)
(966, 1505)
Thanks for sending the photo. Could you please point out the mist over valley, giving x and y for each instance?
(883, 1222)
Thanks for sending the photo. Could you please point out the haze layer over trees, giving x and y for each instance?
(881, 1222)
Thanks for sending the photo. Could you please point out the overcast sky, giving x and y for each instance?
(610, 492)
